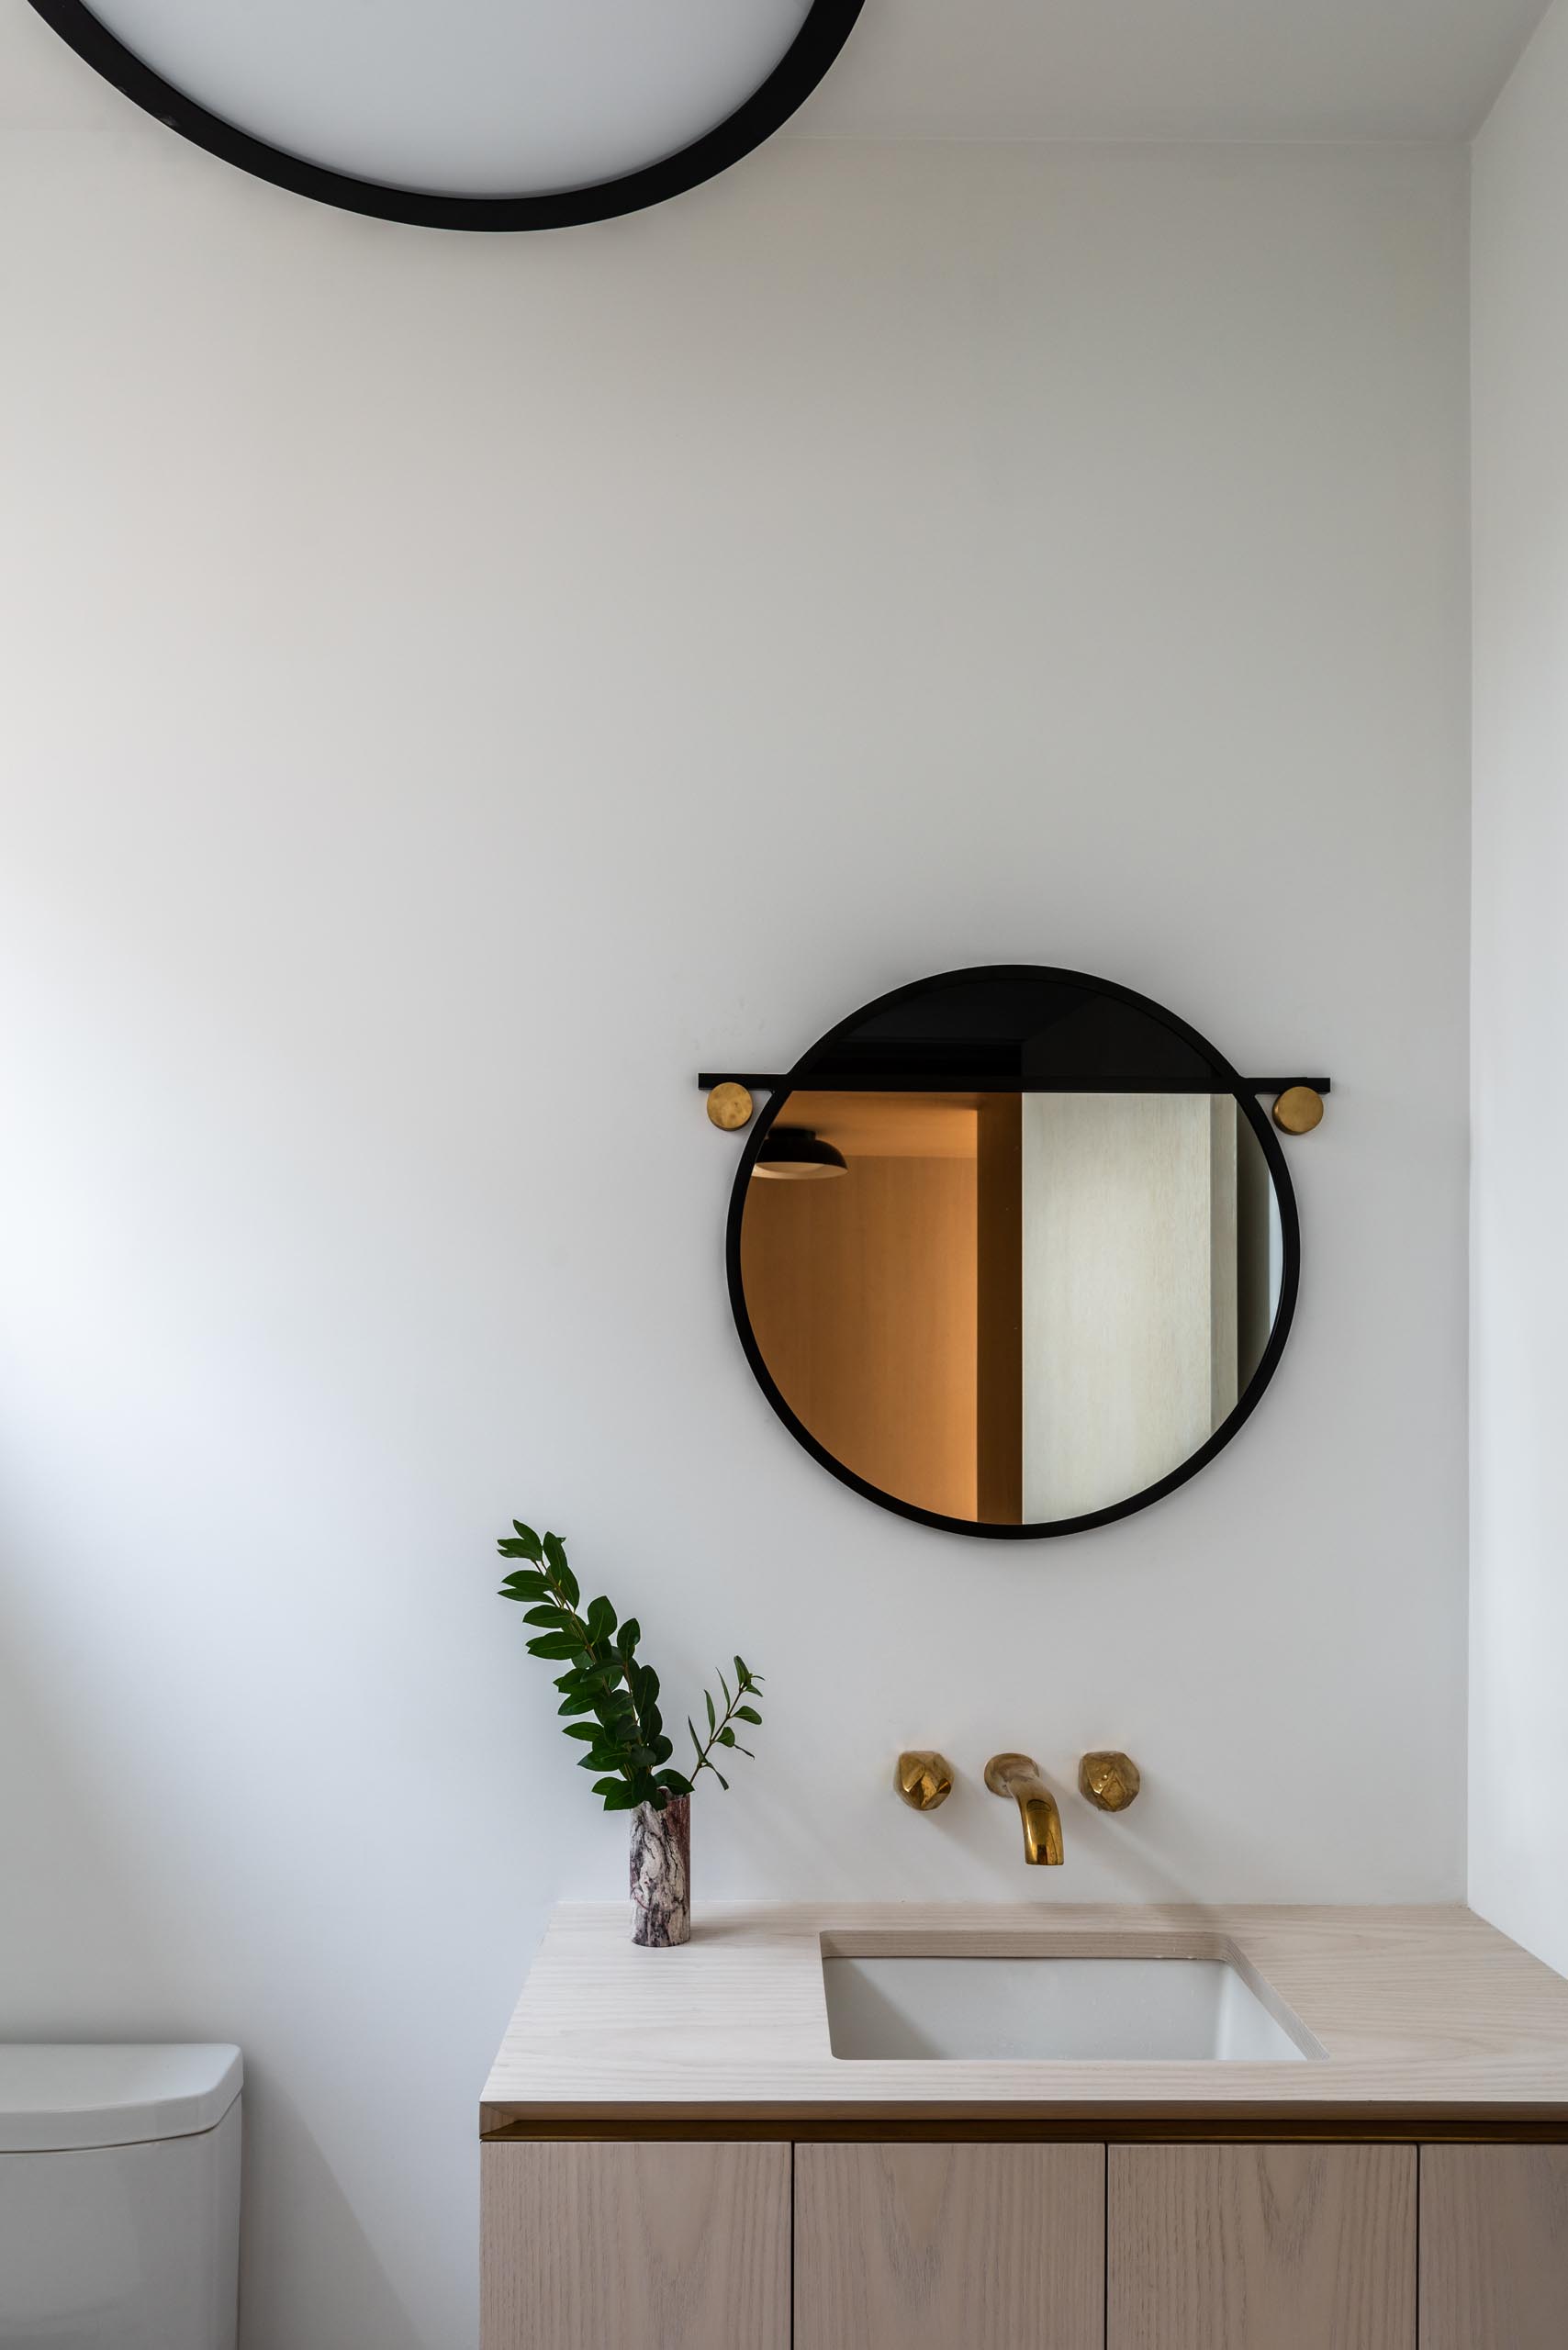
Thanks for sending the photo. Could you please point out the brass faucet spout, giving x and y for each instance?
(1018, 1775)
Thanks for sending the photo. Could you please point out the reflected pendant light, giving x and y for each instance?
(468, 113)
(795, 1155)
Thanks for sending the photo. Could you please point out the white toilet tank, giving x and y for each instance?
(119, 2197)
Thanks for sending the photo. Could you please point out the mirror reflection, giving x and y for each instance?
(1011, 1306)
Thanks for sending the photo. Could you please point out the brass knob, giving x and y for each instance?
(924, 1779)
(729, 1106)
(1298, 1108)
(1110, 1782)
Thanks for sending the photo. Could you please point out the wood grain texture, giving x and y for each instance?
(1424, 2012)
(999, 1309)
(1493, 2248)
(950, 2248)
(862, 1294)
(608, 2247)
(1262, 2248)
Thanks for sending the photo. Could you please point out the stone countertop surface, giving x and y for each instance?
(1424, 2012)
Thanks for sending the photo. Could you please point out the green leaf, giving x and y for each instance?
(726, 1735)
(526, 1583)
(748, 1713)
(608, 1786)
(696, 1741)
(529, 1545)
(720, 1776)
(556, 1555)
(583, 1729)
(623, 1800)
(559, 1617)
(712, 1717)
(553, 1644)
(673, 1780)
(575, 1704)
(746, 1752)
(627, 1637)
(600, 1621)
(742, 1675)
(729, 1701)
(663, 1749)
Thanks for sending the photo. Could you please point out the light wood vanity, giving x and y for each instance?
(674, 2159)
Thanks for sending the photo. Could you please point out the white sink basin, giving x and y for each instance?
(1176, 2010)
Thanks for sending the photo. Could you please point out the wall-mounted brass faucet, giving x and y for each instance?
(1018, 1775)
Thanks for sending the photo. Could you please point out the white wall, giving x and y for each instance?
(1519, 1281)
(455, 689)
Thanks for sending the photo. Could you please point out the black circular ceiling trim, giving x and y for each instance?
(791, 82)
(1227, 1080)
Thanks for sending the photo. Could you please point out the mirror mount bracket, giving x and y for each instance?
(1284, 1089)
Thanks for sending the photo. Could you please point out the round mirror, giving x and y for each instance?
(1012, 1252)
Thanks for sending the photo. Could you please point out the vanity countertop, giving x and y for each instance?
(1425, 2015)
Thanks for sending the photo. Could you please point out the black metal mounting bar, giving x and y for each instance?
(756, 1082)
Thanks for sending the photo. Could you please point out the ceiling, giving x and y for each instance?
(1171, 69)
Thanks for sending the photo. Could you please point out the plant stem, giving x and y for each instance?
(591, 1649)
(743, 1689)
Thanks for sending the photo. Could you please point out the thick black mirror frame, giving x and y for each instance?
(791, 83)
(1227, 1080)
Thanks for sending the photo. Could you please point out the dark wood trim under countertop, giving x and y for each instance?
(1236, 2126)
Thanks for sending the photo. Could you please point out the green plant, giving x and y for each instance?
(609, 1700)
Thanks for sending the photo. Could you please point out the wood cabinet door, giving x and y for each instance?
(1493, 2248)
(634, 2247)
(962, 2247)
(1262, 2248)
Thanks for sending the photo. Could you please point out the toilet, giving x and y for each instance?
(119, 2197)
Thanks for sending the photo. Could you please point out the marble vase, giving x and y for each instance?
(661, 1874)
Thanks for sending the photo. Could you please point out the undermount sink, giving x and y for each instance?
(1172, 2008)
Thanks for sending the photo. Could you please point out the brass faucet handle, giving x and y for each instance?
(1110, 1782)
(924, 1778)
